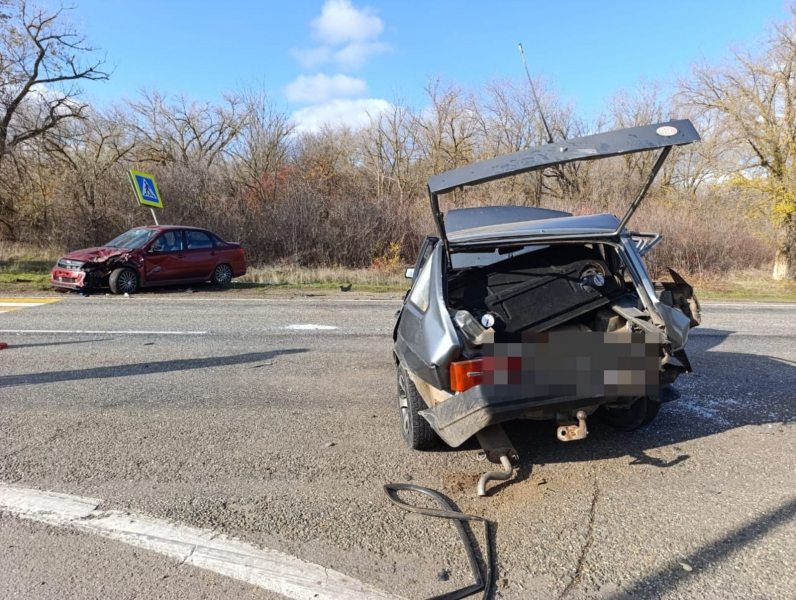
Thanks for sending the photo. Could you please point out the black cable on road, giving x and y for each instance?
(482, 581)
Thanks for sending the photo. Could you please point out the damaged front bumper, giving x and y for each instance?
(68, 279)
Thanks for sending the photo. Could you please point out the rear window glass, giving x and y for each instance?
(421, 290)
(197, 240)
(133, 239)
(463, 260)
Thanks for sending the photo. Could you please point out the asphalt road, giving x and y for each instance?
(221, 417)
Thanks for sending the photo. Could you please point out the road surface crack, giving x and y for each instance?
(190, 554)
(59, 433)
(586, 546)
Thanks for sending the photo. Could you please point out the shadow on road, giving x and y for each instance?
(147, 368)
(14, 345)
(728, 390)
(710, 554)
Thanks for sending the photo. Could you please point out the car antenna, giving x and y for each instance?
(535, 97)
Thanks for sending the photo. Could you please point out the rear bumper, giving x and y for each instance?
(68, 279)
(458, 418)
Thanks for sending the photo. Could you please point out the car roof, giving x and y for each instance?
(169, 227)
(546, 227)
(460, 219)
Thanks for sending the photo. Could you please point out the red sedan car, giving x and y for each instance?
(151, 256)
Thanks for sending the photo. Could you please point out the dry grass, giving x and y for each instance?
(327, 277)
(18, 252)
(745, 285)
(24, 266)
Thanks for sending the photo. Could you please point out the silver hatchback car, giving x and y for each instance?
(520, 312)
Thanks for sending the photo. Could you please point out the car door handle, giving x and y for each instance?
(212, 254)
(180, 256)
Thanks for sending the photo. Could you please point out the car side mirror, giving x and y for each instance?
(156, 248)
(410, 273)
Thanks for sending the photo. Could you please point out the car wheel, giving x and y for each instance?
(642, 412)
(124, 281)
(416, 431)
(222, 275)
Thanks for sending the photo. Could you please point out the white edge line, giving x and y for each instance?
(21, 304)
(748, 304)
(262, 567)
(103, 332)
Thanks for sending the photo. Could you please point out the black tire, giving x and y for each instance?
(639, 414)
(124, 280)
(222, 275)
(416, 431)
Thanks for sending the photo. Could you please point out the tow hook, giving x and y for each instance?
(568, 432)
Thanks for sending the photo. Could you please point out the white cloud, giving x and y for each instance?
(309, 58)
(320, 87)
(354, 55)
(340, 23)
(347, 36)
(340, 112)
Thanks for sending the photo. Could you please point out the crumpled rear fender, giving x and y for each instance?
(679, 294)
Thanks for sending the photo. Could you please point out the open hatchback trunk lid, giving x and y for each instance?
(660, 136)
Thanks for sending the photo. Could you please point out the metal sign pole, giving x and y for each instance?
(152, 210)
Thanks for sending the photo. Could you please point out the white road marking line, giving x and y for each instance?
(311, 327)
(748, 304)
(98, 331)
(265, 568)
(22, 304)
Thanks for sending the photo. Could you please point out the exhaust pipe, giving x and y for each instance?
(508, 469)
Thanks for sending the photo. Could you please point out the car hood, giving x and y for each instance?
(96, 254)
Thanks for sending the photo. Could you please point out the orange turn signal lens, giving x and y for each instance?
(466, 374)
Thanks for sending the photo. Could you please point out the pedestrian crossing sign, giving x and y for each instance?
(146, 190)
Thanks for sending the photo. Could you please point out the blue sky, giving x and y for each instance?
(333, 59)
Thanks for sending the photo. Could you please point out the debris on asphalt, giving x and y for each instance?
(443, 575)
(686, 567)
(346, 287)
(329, 444)
(483, 581)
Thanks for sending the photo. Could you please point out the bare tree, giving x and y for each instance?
(447, 128)
(390, 150)
(261, 150)
(91, 154)
(184, 131)
(755, 98)
(43, 60)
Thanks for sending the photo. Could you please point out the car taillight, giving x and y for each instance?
(466, 374)
(241, 252)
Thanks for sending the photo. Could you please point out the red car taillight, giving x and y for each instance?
(489, 370)
(466, 374)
